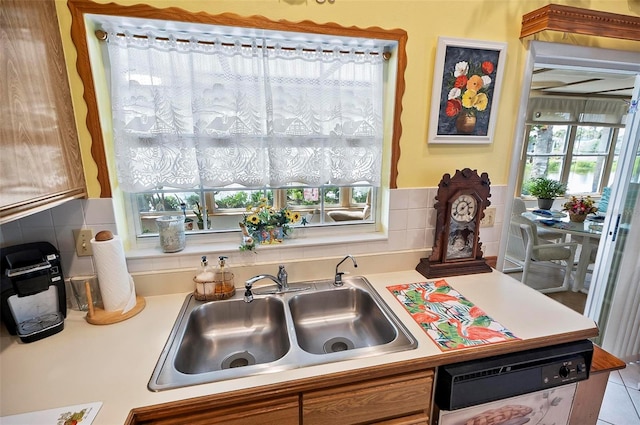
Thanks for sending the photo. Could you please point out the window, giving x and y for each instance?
(573, 140)
(221, 210)
(308, 139)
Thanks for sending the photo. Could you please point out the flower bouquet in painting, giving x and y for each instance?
(266, 225)
(468, 94)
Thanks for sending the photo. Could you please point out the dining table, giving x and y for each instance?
(586, 233)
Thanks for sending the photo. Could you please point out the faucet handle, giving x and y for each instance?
(338, 280)
(248, 295)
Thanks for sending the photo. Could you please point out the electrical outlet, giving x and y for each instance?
(83, 242)
(489, 219)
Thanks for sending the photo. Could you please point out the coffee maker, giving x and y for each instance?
(33, 298)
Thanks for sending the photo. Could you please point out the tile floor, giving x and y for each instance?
(621, 403)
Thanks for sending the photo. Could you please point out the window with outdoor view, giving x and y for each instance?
(211, 123)
(573, 140)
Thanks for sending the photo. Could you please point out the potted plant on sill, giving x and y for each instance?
(546, 190)
(201, 216)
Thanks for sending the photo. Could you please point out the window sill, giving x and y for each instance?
(205, 245)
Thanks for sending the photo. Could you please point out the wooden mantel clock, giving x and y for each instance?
(460, 206)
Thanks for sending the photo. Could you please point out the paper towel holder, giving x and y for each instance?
(98, 316)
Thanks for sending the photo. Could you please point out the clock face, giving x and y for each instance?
(463, 208)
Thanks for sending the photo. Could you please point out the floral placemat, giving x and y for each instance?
(448, 318)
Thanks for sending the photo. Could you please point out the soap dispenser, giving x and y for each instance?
(223, 279)
(204, 280)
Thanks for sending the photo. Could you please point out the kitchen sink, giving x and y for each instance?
(232, 334)
(338, 320)
(219, 340)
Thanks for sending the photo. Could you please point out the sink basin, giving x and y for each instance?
(343, 319)
(221, 336)
(313, 323)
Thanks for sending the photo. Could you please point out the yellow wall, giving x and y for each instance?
(420, 165)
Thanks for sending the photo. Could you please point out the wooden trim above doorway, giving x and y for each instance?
(576, 20)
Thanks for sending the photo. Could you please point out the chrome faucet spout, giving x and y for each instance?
(281, 282)
(338, 278)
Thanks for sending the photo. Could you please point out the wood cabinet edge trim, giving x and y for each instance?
(580, 21)
(604, 361)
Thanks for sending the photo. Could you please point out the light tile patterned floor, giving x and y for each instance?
(621, 404)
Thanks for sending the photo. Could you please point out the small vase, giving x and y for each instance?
(270, 235)
(577, 218)
(465, 123)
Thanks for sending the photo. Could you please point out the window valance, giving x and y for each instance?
(190, 114)
(571, 110)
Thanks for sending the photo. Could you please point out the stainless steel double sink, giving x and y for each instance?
(220, 340)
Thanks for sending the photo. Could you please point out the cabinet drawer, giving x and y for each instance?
(371, 401)
(284, 411)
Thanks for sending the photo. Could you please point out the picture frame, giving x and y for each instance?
(466, 89)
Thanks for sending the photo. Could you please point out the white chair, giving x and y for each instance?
(537, 250)
(519, 207)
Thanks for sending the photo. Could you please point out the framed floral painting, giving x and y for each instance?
(466, 89)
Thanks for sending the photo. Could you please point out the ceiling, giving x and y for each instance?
(573, 82)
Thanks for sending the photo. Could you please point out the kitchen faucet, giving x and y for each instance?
(281, 282)
(338, 279)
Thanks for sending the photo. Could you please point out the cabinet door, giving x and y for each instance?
(40, 163)
(282, 411)
(385, 400)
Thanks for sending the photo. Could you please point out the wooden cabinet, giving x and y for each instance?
(282, 411)
(397, 394)
(40, 163)
(403, 396)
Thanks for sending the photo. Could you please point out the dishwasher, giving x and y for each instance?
(534, 387)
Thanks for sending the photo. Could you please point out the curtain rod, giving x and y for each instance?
(102, 36)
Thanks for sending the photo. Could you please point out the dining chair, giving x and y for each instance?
(538, 250)
(519, 207)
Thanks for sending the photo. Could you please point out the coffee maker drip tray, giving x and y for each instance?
(38, 327)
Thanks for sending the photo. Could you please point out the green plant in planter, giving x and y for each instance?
(545, 190)
(200, 216)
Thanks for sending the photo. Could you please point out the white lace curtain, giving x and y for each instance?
(214, 114)
(557, 109)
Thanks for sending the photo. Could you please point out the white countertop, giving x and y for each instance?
(112, 364)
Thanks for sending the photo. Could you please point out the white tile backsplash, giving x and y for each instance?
(99, 212)
(70, 213)
(411, 226)
(417, 218)
(40, 219)
(399, 199)
(418, 198)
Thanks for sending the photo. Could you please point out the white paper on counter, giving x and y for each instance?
(80, 414)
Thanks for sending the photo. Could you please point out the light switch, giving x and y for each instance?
(83, 242)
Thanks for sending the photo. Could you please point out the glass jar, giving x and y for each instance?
(171, 231)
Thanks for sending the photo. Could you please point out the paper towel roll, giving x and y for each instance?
(116, 284)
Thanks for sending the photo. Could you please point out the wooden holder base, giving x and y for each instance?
(98, 316)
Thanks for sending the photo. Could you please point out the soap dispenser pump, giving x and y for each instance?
(223, 279)
(204, 281)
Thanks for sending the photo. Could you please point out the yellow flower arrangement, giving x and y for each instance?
(263, 222)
